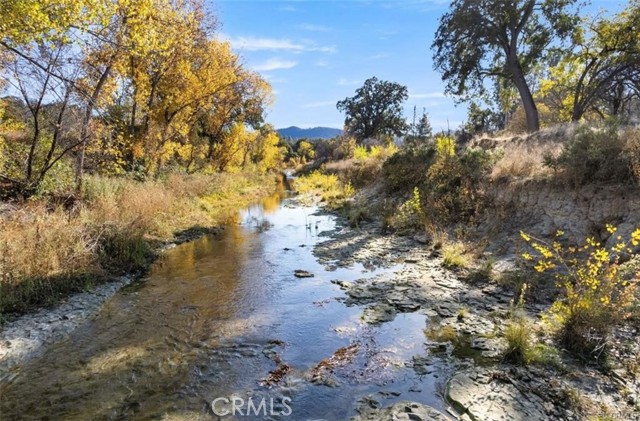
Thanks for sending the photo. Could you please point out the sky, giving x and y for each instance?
(316, 53)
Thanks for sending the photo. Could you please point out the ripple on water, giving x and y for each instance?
(215, 317)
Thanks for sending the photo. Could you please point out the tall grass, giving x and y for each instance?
(47, 250)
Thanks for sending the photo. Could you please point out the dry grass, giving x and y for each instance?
(578, 146)
(523, 156)
(524, 161)
(456, 255)
(48, 251)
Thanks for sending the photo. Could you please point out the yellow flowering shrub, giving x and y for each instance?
(594, 295)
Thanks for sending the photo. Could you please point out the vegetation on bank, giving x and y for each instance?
(439, 188)
(101, 87)
(595, 295)
(122, 124)
(49, 249)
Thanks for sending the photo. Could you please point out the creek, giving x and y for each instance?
(214, 317)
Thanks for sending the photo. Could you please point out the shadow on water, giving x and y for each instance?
(203, 324)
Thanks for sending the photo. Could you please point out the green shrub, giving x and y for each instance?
(124, 251)
(453, 190)
(519, 340)
(407, 164)
(482, 273)
(409, 216)
(522, 347)
(450, 184)
(604, 154)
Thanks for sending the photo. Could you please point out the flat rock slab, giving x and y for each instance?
(299, 273)
(27, 336)
(401, 411)
(486, 399)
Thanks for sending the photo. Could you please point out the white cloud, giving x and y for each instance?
(313, 27)
(319, 104)
(348, 82)
(250, 43)
(429, 95)
(257, 44)
(321, 63)
(274, 64)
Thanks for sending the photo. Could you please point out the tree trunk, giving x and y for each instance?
(84, 132)
(134, 106)
(529, 105)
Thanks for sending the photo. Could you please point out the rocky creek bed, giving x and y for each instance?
(466, 329)
(463, 339)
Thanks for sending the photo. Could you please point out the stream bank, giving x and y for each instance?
(465, 329)
(376, 329)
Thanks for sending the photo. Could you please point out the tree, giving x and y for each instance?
(375, 110)
(420, 130)
(48, 131)
(305, 150)
(482, 120)
(133, 85)
(424, 129)
(477, 39)
(600, 74)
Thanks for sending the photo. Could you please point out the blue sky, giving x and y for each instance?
(315, 53)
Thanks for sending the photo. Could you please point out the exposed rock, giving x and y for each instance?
(27, 336)
(322, 372)
(400, 411)
(379, 314)
(299, 273)
(422, 365)
(545, 208)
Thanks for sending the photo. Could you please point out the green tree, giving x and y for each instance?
(421, 131)
(483, 120)
(477, 39)
(600, 74)
(375, 110)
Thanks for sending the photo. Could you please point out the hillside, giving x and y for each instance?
(295, 133)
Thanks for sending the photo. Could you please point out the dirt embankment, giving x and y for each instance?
(542, 208)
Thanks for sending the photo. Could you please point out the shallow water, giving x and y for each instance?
(211, 320)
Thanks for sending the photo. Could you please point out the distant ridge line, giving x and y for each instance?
(296, 133)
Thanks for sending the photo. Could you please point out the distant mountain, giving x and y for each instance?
(295, 133)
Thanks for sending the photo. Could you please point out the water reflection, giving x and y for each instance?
(139, 354)
(199, 326)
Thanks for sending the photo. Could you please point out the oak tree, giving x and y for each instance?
(375, 110)
(480, 39)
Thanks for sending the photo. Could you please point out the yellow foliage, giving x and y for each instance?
(362, 153)
(445, 146)
(328, 186)
(269, 154)
(595, 295)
